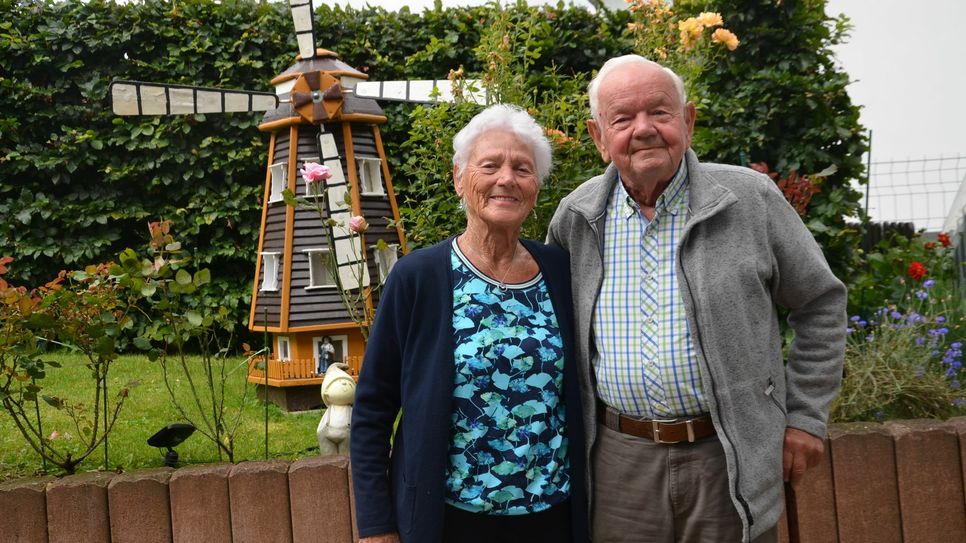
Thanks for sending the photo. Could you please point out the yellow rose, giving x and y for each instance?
(710, 19)
(690, 31)
(726, 38)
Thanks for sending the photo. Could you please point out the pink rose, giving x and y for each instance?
(313, 172)
(358, 224)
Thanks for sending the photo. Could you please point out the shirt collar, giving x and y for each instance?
(668, 202)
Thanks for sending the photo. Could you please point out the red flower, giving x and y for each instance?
(944, 239)
(916, 270)
(930, 245)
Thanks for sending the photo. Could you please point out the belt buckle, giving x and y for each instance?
(656, 429)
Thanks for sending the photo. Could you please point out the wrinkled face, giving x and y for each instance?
(642, 126)
(499, 182)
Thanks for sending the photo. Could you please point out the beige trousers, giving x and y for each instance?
(645, 492)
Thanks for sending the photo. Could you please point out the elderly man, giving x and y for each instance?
(693, 420)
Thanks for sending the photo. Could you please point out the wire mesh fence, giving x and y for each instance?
(922, 191)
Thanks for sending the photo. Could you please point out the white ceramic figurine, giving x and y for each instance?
(338, 393)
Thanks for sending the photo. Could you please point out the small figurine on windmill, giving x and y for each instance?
(322, 111)
(338, 395)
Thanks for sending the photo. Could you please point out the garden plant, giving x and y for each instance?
(78, 184)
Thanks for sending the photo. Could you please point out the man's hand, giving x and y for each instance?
(802, 451)
(381, 538)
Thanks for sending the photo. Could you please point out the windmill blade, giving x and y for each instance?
(349, 252)
(303, 16)
(423, 91)
(140, 98)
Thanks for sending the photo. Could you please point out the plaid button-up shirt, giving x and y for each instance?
(646, 364)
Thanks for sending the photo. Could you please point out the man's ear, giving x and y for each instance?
(690, 112)
(597, 136)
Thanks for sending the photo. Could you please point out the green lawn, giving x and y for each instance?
(148, 409)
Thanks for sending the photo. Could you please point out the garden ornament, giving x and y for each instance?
(338, 394)
(322, 111)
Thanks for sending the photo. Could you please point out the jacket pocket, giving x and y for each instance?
(771, 391)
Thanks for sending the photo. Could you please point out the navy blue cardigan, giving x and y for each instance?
(409, 365)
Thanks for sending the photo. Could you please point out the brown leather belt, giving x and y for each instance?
(660, 431)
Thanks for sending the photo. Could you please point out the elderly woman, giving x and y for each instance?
(473, 342)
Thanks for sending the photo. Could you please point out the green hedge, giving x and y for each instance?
(77, 184)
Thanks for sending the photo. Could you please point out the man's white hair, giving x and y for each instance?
(509, 118)
(594, 88)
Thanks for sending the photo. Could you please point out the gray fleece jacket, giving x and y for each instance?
(743, 253)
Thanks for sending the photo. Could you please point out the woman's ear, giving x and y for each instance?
(457, 182)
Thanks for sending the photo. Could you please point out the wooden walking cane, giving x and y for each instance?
(791, 514)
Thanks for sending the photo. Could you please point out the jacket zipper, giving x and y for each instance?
(717, 401)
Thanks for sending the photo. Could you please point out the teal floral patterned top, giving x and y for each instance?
(508, 442)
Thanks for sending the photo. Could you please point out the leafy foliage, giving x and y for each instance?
(86, 312)
(781, 99)
(183, 318)
(77, 184)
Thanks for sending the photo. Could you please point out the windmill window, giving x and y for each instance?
(370, 176)
(279, 181)
(284, 351)
(320, 273)
(385, 260)
(269, 271)
(307, 185)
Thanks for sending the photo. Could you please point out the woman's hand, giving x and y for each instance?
(381, 538)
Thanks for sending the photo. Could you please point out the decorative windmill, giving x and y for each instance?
(323, 110)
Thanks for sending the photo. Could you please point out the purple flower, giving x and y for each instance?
(920, 340)
(895, 315)
(954, 384)
(849, 330)
(940, 319)
(862, 324)
(855, 318)
(958, 402)
(928, 283)
(957, 345)
(921, 294)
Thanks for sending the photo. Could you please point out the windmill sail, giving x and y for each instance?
(348, 248)
(140, 98)
(422, 91)
(302, 16)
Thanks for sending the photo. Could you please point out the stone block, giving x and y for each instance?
(352, 506)
(866, 490)
(815, 501)
(260, 507)
(200, 506)
(139, 506)
(319, 494)
(77, 510)
(23, 504)
(930, 481)
(958, 425)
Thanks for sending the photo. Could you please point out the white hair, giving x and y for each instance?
(594, 88)
(509, 118)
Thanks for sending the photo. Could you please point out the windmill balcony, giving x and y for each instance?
(292, 384)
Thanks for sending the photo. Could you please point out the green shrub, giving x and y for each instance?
(77, 184)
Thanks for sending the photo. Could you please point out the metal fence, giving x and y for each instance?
(921, 191)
